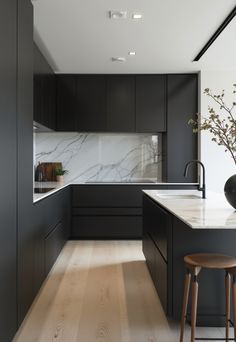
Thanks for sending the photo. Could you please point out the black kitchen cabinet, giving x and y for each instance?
(54, 243)
(121, 103)
(151, 103)
(109, 211)
(91, 103)
(49, 229)
(8, 55)
(66, 104)
(106, 211)
(180, 143)
(44, 91)
(25, 157)
(81, 103)
(157, 248)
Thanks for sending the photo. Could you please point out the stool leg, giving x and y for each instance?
(194, 307)
(227, 303)
(185, 303)
(234, 304)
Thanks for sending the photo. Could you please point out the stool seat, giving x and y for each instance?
(210, 260)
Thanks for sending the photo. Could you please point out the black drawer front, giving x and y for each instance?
(158, 270)
(106, 227)
(106, 196)
(107, 211)
(53, 245)
(158, 223)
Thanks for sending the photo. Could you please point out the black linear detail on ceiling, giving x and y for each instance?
(216, 34)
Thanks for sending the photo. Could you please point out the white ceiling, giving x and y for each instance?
(77, 36)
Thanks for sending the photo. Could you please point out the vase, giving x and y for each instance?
(60, 179)
(230, 191)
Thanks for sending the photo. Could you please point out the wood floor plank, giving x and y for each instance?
(100, 291)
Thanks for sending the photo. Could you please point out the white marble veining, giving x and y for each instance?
(102, 157)
(214, 212)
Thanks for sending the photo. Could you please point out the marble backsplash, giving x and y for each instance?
(102, 157)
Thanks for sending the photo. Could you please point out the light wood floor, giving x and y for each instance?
(100, 291)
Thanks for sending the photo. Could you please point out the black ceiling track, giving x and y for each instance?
(216, 34)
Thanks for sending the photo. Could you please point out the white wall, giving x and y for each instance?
(219, 165)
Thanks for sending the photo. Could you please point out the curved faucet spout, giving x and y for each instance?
(203, 187)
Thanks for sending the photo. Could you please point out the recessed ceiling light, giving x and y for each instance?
(117, 14)
(132, 53)
(118, 59)
(137, 16)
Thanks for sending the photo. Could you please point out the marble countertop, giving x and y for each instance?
(58, 186)
(214, 212)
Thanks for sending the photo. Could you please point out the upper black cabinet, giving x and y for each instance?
(150, 103)
(44, 91)
(91, 103)
(180, 143)
(121, 103)
(81, 103)
(66, 103)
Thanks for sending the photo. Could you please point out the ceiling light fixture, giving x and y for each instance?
(132, 53)
(118, 59)
(137, 16)
(117, 14)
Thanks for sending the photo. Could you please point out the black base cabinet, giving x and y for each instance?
(105, 211)
(53, 244)
(49, 230)
(157, 232)
(168, 273)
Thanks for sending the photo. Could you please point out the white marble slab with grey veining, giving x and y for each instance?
(101, 157)
(214, 212)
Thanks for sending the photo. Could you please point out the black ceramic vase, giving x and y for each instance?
(230, 191)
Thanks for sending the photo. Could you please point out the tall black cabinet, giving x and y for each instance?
(8, 161)
(180, 144)
(25, 156)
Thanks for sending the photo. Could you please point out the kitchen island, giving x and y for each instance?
(180, 222)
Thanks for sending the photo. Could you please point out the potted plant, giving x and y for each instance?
(60, 172)
(223, 128)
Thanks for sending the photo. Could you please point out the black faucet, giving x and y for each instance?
(203, 187)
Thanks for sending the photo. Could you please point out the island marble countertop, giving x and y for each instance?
(214, 212)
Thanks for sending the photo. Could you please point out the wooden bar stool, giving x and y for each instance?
(194, 263)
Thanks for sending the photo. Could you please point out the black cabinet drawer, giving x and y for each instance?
(106, 196)
(157, 267)
(107, 211)
(53, 245)
(160, 230)
(157, 222)
(161, 279)
(106, 227)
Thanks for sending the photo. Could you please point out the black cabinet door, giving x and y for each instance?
(66, 94)
(44, 91)
(150, 103)
(91, 103)
(81, 103)
(8, 160)
(181, 143)
(121, 103)
(25, 157)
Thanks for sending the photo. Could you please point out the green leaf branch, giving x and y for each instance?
(222, 126)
